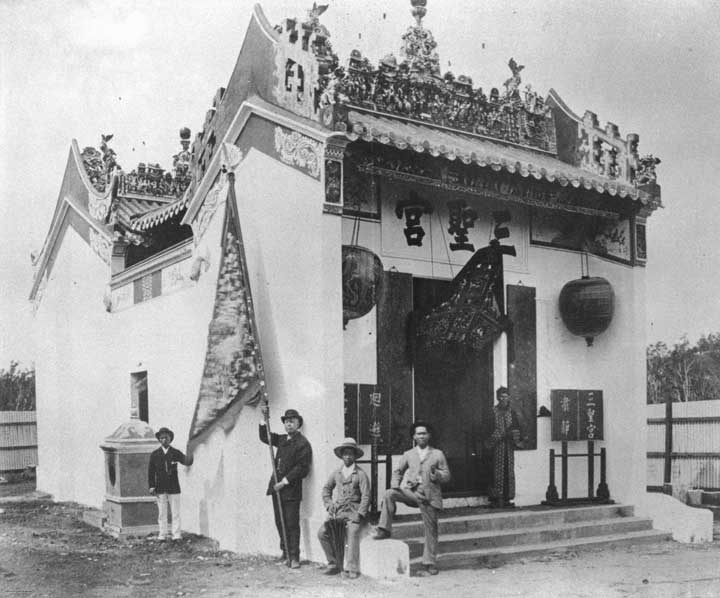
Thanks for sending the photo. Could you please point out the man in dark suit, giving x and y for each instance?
(416, 482)
(292, 464)
(163, 482)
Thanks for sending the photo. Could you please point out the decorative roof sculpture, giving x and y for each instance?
(415, 89)
(134, 202)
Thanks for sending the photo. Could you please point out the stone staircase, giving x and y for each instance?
(481, 537)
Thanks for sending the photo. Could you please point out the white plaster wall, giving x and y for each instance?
(293, 254)
(615, 364)
(71, 328)
(86, 356)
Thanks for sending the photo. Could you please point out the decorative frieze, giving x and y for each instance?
(122, 297)
(298, 150)
(99, 207)
(167, 273)
(231, 156)
(175, 276)
(640, 240)
(333, 182)
(606, 238)
(213, 199)
(334, 167)
(101, 245)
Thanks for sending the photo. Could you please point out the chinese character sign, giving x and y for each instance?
(576, 414)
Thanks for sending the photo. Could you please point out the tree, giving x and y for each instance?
(684, 372)
(17, 388)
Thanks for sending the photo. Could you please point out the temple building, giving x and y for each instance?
(368, 244)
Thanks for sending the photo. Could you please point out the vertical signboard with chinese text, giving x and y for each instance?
(577, 414)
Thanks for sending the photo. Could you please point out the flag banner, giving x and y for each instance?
(233, 375)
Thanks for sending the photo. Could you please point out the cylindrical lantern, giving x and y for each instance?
(362, 279)
(587, 305)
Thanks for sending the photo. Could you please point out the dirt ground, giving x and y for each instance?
(47, 551)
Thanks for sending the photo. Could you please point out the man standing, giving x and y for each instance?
(504, 440)
(349, 506)
(416, 482)
(163, 482)
(292, 464)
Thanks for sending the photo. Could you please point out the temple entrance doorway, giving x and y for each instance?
(457, 401)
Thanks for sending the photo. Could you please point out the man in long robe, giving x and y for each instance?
(504, 440)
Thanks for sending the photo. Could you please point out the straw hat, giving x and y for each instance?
(351, 444)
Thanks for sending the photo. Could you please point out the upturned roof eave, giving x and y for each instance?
(73, 167)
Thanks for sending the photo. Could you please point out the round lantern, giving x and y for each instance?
(587, 305)
(362, 280)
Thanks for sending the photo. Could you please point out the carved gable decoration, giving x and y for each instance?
(101, 245)
(302, 61)
(300, 151)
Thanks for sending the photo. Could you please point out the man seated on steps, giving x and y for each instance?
(416, 482)
(349, 507)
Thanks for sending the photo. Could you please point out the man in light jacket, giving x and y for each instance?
(349, 507)
(416, 482)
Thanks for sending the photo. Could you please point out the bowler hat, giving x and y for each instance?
(351, 444)
(292, 413)
(167, 431)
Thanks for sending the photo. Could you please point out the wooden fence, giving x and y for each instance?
(18, 440)
(684, 445)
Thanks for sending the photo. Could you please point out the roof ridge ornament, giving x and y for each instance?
(313, 21)
(419, 45)
(419, 10)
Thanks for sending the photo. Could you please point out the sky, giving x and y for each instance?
(142, 70)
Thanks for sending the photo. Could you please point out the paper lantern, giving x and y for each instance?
(362, 280)
(587, 305)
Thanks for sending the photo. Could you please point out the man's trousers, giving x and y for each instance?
(164, 501)
(429, 518)
(291, 513)
(352, 546)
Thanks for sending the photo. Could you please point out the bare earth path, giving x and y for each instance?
(46, 551)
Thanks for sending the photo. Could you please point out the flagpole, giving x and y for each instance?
(232, 207)
(275, 481)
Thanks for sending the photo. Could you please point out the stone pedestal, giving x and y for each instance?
(384, 559)
(130, 509)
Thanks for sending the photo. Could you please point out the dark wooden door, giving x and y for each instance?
(456, 402)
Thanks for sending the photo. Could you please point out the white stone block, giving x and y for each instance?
(384, 559)
(687, 524)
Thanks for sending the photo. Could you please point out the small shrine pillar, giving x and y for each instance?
(129, 509)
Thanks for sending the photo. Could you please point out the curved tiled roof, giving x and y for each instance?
(144, 214)
(406, 134)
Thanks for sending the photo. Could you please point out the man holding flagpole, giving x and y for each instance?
(292, 464)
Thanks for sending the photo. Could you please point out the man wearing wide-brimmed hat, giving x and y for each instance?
(163, 482)
(292, 464)
(349, 505)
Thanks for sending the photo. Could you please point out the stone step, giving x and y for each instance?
(491, 557)
(482, 520)
(494, 539)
